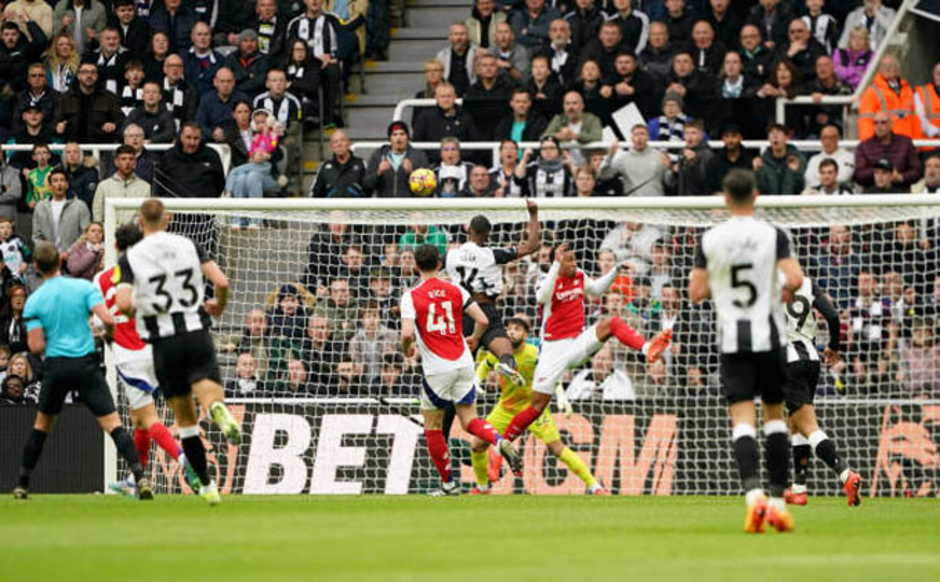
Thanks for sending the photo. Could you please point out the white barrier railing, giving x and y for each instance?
(95, 149)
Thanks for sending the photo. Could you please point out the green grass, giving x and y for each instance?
(578, 539)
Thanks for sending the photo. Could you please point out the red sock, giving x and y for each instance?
(142, 444)
(484, 430)
(626, 334)
(159, 433)
(437, 446)
(520, 422)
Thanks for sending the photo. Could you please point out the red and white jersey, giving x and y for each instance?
(125, 330)
(561, 301)
(437, 307)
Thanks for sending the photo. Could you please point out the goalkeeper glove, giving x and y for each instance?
(561, 399)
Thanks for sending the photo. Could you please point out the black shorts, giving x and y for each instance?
(495, 328)
(747, 375)
(84, 375)
(181, 360)
(800, 386)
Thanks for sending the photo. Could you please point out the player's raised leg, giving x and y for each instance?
(804, 420)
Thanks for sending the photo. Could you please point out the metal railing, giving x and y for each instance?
(95, 149)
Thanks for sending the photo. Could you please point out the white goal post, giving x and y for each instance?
(308, 345)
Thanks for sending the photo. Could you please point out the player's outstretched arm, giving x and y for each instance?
(103, 315)
(216, 306)
(480, 323)
(792, 273)
(598, 287)
(407, 336)
(533, 230)
(543, 294)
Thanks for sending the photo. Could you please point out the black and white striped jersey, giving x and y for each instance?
(477, 269)
(741, 258)
(803, 326)
(165, 271)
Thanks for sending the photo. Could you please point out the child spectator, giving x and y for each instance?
(38, 186)
(371, 341)
(250, 180)
(823, 27)
(246, 378)
(13, 250)
(132, 93)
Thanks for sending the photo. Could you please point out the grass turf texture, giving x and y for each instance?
(99, 538)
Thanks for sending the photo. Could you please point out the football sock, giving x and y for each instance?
(825, 449)
(126, 448)
(576, 464)
(508, 360)
(483, 430)
(437, 447)
(450, 413)
(520, 422)
(31, 453)
(777, 504)
(777, 439)
(195, 452)
(744, 442)
(478, 460)
(626, 334)
(142, 444)
(159, 433)
(801, 454)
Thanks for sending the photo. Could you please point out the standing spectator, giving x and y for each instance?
(561, 53)
(57, 219)
(191, 169)
(726, 24)
(891, 94)
(157, 53)
(679, 21)
(574, 125)
(828, 183)
(707, 53)
(550, 175)
(836, 265)
(829, 137)
(390, 166)
(584, 22)
(634, 25)
(26, 12)
(629, 85)
(248, 64)
(201, 61)
(459, 58)
(11, 190)
(825, 84)
(123, 184)
(272, 31)
(488, 98)
(32, 132)
(523, 124)
(111, 58)
(176, 21)
(134, 31)
(887, 144)
(823, 27)
(781, 165)
(215, 107)
(604, 49)
(12, 326)
(927, 105)
(771, 17)
(531, 23)
(512, 59)
(372, 341)
(82, 20)
(61, 63)
(851, 62)
(180, 97)
(87, 114)
(131, 93)
(482, 23)
(688, 175)
(343, 175)
(731, 157)
(87, 253)
(686, 81)
(874, 17)
(445, 119)
(82, 174)
(656, 58)
(320, 30)
(15, 54)
(156, 121)
(544, 88)
(37, 94)
(641, 167)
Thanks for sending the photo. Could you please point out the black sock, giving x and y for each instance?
(508, 360)
(450, 413)
(826, 450)
(196, 455)
(126, 448)
(748, 458)
(31, 454)
(778, 462)
(801, 454)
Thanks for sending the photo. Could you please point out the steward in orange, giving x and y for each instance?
(890, 93)
(927, 105)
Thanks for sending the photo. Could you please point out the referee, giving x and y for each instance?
(56, 317)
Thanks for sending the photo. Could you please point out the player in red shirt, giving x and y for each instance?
(565, 342)
(432, 318)
(134, 362)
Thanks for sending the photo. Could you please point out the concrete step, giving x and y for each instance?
(414, 50)
(396, 66)
(436, 16)
(413, 33)
(395, 87)
(374, 119)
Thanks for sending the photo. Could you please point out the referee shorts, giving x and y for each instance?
(746, 375)
(84, 375)
(494, 330)
(184, 359)
(800, 385)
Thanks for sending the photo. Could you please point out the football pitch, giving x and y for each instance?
(581, 539)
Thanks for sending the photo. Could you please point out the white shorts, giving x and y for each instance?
(135, 369)
(440, 391)
(557, 356)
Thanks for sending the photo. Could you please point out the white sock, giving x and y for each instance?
(799, 488)
(645, 349)
(777, 503)
(595, 487)
(753, 495)
(483, 488)
(844, 475)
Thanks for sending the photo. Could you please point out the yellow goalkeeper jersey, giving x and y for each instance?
(513, 398)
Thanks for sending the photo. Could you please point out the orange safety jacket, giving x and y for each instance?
(880, 97)
(931, 100)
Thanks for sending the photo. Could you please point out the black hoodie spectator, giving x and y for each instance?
(196, 175)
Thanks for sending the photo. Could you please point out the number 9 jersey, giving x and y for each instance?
(165, 271)
(437, 307)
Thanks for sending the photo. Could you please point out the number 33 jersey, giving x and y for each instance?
(477, 269)
(741, 257)
(165, 271)
(437, 307)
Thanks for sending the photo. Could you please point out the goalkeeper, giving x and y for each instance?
(515, 398)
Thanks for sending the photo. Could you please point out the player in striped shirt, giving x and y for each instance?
(565, 342)
(803, 370)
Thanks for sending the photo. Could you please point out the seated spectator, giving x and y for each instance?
(381, 291)
(758, 59)
(883, 172)
(134, 31)
(180, 97)
(157, 53)
(482, 23)
(246, 382)
(38, 187)
(829, 137)
(731, 157)
(887, 144)
(707, 53)
(634, 25)
(851, 62)
(390, 166)
(771, 17)
(501, 175)
(371, 341)
(604, 49)
(479, 184)
(24, 366)
(589, 84)
(303, 78)
(16, 257)
(531, 23)
(825, 83)
(874, 17)
(146, 160)
(512, 59)
(86, 255)
(239, 135)
(17, 51)
(544, 88)
(549, 175)
(123, 184)
(523, 124)
(423, 234)
(13, 330)
(433, 76)
(781, 165)
(152, 116)
(297, 382)
(801, 48)
(286, 107)
(641, 167)
(726, 23)
(679, 21)
(446, 119)
(688, 175)
(272, 30)
(201, 61)
(341, 309)
(86, 113)
(82, 173)
(190, 169)
(784, 81)
(61, 63)
(888, 93)
(656, 58)
(927, 105)
(343, 175)
(321, 352)
(828, 183)
(601, 381)
(12, 392)
(684, 79)
(248, 64)
(350, 379)
(574, 125)
(325, 251)
(561, 53)
(37, 94)
(488, 98)
(734, 105)
(252, 339)
(73, 217)
(32, 132)
(584, 22)
(254, 178)
(131, 95)
(459, 58)
(176, 21)
(11, 190)
(393, 381)
(215, 108)
(836, 265)
(919, 373)
(670, 126)
(930, 184)
(452, 173)
(629, 85)
(287, 321)
(110, 57)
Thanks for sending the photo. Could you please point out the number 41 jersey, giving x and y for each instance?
(437, 307)
(165, 271)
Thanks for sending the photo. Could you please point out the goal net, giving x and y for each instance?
(312, 366)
